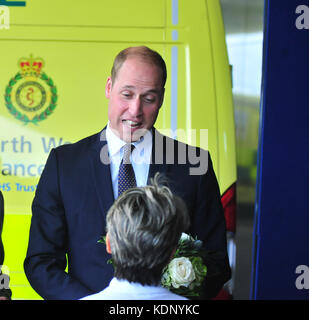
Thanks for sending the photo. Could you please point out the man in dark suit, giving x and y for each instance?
(5, 292)
(80, 182)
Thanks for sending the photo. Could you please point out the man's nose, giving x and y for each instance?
(136, 107)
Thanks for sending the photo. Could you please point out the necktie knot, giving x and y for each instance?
(127, 150)
(126, 176)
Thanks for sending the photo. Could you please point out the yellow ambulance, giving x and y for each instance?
(55, 58)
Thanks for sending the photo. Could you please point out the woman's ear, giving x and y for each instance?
(108, 244)
(162, 97)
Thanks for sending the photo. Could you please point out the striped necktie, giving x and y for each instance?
(126, 176)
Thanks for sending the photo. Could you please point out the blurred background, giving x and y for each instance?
(243, 20)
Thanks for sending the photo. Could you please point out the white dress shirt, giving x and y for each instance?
(125, 290)
(140, 157)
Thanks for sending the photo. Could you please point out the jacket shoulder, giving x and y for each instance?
(168, 144)
(79, 147)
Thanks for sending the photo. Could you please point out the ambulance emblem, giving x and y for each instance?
(31, 96)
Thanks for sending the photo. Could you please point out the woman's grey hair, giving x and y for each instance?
(144, 226)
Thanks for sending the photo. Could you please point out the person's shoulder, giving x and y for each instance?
(77, 151)
(174, 141)
(79, 148)
(83, 143)
(95, 296)
(173, 296)
(182, 153)
(166, 294)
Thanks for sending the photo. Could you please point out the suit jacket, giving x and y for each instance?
(124, 290)
(70, 206)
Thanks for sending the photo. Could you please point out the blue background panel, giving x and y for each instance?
(281, 237)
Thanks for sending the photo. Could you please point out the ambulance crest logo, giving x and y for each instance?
(31, 96)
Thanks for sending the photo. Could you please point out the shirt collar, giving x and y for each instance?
(115, 143)
(133, 286)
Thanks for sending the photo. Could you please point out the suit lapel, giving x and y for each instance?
(158, 155)
(101, 173)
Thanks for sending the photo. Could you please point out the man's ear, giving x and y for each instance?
(108, 244)
(108, 87)
(162, 97)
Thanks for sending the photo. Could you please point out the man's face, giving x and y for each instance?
(135, 98)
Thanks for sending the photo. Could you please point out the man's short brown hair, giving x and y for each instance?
(144, 53)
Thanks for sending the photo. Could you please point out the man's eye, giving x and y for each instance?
(149, 99)
(126, 94)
